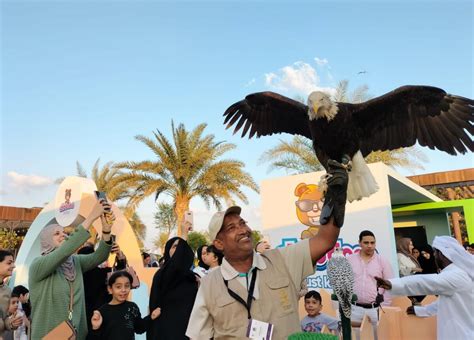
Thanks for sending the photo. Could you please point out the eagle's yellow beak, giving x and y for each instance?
(315, 107)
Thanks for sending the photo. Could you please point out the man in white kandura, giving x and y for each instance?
(454, 285)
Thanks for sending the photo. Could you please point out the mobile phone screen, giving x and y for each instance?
(188, 217)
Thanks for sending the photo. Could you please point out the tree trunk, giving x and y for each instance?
(455, 217)
(181, 206)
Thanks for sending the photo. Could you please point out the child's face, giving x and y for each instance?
(210, 258)
(120, 289)
(7, 266)
(24, 297)
(13, 307)
(312, 306)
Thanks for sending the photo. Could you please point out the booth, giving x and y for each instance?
(290, 212)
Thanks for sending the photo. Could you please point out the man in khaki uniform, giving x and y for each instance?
(251, 289)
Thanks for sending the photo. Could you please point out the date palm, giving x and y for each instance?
(188, 166)
(107, 178)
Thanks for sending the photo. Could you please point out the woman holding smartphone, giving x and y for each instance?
(58, 271)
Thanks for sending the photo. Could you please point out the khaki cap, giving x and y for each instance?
(217, 220)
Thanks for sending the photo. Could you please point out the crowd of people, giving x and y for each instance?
(230, 288)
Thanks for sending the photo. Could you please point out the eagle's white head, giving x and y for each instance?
(321, 106)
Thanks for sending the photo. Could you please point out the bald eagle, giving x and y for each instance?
(400, 118)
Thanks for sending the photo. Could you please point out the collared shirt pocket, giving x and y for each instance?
(280, 291)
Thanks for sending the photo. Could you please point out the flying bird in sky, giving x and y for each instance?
(348, 132)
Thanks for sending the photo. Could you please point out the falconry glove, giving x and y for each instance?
(336, 194)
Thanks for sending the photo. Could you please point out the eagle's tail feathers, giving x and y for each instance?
(361, 181)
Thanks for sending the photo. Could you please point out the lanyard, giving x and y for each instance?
(247, 304)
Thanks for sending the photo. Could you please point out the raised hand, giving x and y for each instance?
(96, 320)
(16, 321)
(116, 250)
(97, 211)
(186, 228)
(156, 313)
(381, 283)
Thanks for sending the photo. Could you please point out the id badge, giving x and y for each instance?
(259, 330)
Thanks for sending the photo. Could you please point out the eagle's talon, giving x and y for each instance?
(323, 182)
(346, 162)
(347, 166)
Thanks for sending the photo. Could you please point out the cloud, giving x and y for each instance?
(27, 182)
(321, 62)
(299, 78)
(3, 192)
(250, 82)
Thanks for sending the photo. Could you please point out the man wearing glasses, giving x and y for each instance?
(256, 295)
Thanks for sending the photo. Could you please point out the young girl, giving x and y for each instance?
(213, 257)
(14, 310)
(120, 319)
(7, 264)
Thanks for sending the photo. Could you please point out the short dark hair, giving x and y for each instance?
(4, 253)
(212, 249)
(145, 255)
(117, 274)
(15, 295)
(364, 233)
(313, 294)
(21, 290)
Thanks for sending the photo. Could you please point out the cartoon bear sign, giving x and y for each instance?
(308, 207)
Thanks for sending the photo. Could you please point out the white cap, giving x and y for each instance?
(217, 220)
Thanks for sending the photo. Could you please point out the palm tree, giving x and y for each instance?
(107, 179)
(165, 218)
(187, 167)
(297, 156)
(138, 227)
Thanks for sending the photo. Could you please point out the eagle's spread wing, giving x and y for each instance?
(266, 113)
(415, 113)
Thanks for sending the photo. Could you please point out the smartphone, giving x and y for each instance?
(188, 217)
(101, 195)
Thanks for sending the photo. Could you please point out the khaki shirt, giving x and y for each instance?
(297, 263)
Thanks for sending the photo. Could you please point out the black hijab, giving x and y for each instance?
(199, 256)
(428, 265)
(177, 268)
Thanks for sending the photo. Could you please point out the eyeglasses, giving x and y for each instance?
(308, 205)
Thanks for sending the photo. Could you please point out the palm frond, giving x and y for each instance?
(80, 170)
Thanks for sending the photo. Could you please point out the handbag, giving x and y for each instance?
(65, 330)
(129, 269)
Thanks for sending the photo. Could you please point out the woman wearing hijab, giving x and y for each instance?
(427, 260)
(173, 289)
(202, 267)
(52, 275)
(453, 285)
(407, 263)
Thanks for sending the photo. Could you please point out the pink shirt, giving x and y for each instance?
(365, 285)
